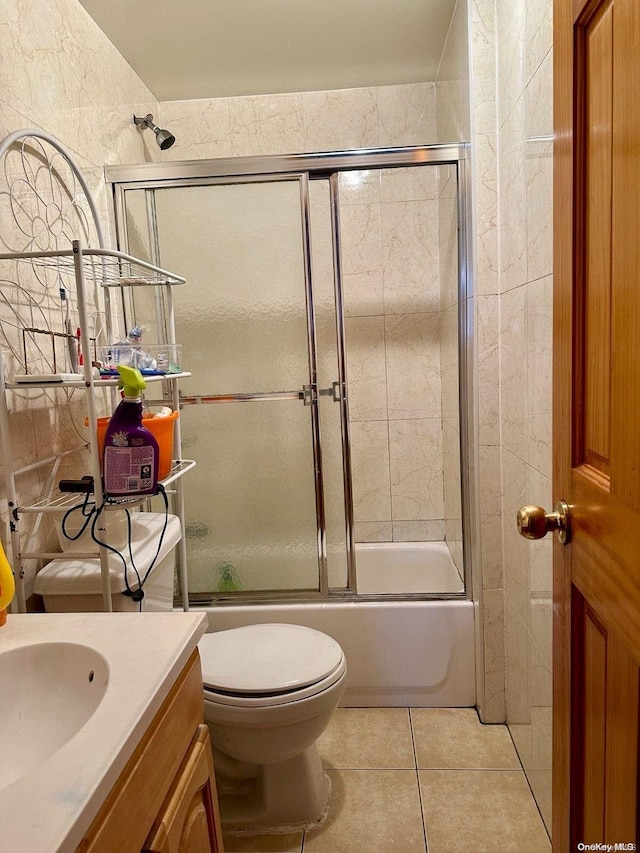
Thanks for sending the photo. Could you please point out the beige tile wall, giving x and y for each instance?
(60, 74)
(393, 337)
(511, 112)
(299, 122)
(452, 80)
(525, 201)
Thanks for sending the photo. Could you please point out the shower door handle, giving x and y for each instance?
(310, 394)
(334, 392)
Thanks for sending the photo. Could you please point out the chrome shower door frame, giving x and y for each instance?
(327, 165)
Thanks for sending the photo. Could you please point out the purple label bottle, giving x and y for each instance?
(131, 454)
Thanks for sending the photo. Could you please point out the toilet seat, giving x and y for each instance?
(271, 664)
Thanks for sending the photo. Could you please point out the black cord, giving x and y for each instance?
(161, 490)
(135, 594)
(87, 516)
(93, 516)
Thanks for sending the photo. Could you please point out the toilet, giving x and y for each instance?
(270, 690)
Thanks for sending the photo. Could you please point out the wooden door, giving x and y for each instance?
(597, 422)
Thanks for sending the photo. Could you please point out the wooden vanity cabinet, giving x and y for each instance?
(165, 799)
(187, 821)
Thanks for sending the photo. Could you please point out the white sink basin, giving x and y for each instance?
(77, 693)
(52, 691)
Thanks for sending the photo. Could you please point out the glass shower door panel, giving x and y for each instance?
(250, 501)
(242, 321)
(399, 239)
(241, 317)
(328, 372)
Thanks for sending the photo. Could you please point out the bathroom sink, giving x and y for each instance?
(78, 691)
(49, 692)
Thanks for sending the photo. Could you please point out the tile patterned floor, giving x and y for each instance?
(420, 780)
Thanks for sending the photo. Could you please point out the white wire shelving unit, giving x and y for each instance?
(105, 269)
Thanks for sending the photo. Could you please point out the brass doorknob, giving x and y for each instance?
(535, 523)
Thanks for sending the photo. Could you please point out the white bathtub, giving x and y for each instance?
(401, 567)
(412, 653)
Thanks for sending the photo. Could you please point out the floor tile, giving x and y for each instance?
(368, 738)
(291, 843)
(540, 782)
(481, 810)
(454, 738)
(371, 811)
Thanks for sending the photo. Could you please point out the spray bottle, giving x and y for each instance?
(130, 461)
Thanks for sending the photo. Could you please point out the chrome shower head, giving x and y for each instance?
(164, 138)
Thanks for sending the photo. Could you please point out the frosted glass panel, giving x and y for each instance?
(241, 317)
(141, 305)
(250, 502)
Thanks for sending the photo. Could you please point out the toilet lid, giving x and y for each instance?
(270, 658)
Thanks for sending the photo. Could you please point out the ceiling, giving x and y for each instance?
(185, 49)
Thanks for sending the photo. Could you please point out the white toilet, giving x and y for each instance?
(269, 690)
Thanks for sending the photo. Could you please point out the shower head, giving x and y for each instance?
(164, 138)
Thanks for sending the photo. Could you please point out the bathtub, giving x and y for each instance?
(399, 654)
(402, 567)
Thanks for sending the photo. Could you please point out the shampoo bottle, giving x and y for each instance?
(130, 461)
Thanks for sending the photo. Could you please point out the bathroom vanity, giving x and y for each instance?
(105, 749)
(165, 799)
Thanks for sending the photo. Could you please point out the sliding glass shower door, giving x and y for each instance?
(250, 411)
(326, 324)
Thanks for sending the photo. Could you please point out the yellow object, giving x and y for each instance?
(7, 585)
(131, 381)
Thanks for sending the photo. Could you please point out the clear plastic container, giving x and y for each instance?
(149, 359)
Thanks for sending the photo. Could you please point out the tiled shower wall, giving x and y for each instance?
(297, 122)
(525, 201)
(60, 74)
(512, 123)
(391, 283)
(392, 300)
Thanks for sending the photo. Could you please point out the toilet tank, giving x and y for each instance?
(73, 585)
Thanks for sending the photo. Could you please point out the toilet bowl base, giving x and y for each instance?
(281, 797)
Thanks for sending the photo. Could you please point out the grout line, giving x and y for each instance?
(413, 740)
(415, 759)
(526, 779)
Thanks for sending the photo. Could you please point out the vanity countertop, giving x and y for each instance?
(49, 808)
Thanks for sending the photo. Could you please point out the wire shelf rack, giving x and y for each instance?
(105, 266)
(58, 501)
